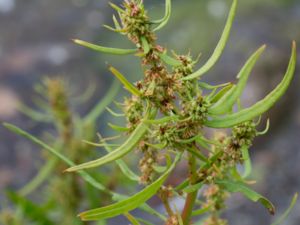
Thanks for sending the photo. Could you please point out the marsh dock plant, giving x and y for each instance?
(167, 113)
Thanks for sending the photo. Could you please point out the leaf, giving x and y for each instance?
(123, 166)
(114, 113)
(130, 203)
(219, 48)
(31, 210)
(232, 186)
(117, 8)
(265, 130)
(132, 89)
(88, 178)
(162, 22)
(124, 149)
(261, 106)
(247, 161)
(287, 212)
(35, 115)
(113, 29)
(162, 120)
(132, 219)
(145, 45)
(221, 93)
(114, 51)
(201, 211)
(211, 87)
(197, 153)
(193, 188)
(228, 100)
(118, 128)
(99, 108)
(116, 22)
(169, 60)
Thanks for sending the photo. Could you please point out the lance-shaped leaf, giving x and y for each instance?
(114, 51)
(131, 203)
(88, 178)
(118, 128)
(132, 219)
(146, 46)
(226, 103)
(219, 48)
(261, 106)
(247, 161)
(169, 60)
(124, 149)
(35, 115)
(280, 220)
(162, 22)
(123, 166)
(211, 87)
(117, 8)
(132, 89)
(233, 186)
(214, 98)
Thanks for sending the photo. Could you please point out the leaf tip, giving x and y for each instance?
(77, 41)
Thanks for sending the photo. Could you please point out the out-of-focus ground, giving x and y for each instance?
(35, 41)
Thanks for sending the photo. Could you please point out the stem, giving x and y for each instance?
(191, 197)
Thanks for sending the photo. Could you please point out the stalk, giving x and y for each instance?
(191, 197)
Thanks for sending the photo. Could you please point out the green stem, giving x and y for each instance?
(191, 197)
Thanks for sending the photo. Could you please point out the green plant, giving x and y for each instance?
(167, 114)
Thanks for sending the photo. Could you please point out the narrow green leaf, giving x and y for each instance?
(287, 212)
(114, 29)
(35, 115)
(144, 221)
(132, 89)
(114, 113)
(145, 45)
(210, 87)
(226, 103)
(132, 219)
(182, 185)
(158, 146)
(196, 152)
(201, 211)
(35, 140)
(116, 22)
(169, 60)
(99, 108)
(261, 106)
(193, 188)
(219, 48)
(162, 22)
(118, 128)
(115, 7)
(162, 120)
(123, 166)
(221, 93)
(265, 130)
(129, 203)
(233, 186)
(247, 161)
(114, 51)
(124, 149)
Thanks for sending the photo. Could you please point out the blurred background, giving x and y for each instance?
(35, 42)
